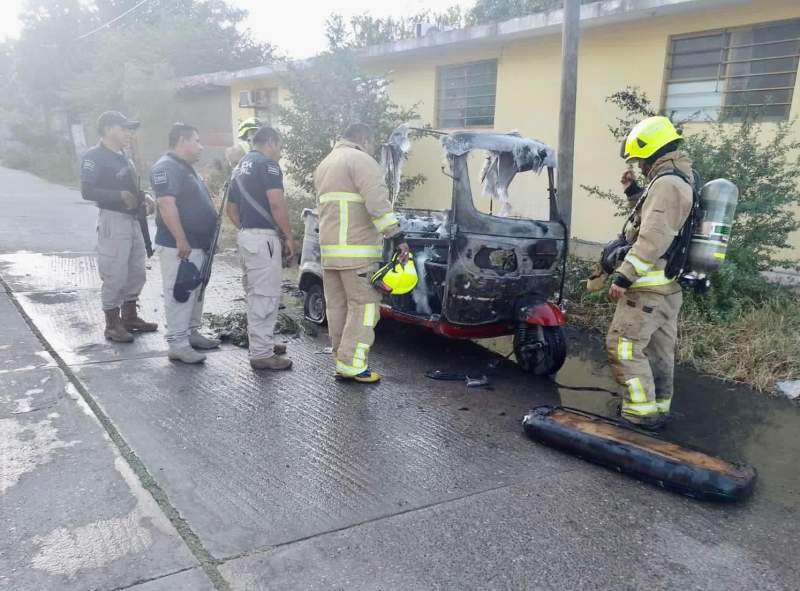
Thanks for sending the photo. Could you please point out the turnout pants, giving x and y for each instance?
(261, 257)
(120, 258)
(352, 310)
(641, 349)
(182, 317)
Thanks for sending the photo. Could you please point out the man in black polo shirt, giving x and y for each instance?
(257, 206)
(109, 179)
(186, 224)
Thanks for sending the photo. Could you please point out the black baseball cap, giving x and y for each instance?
(187, 279)
(112, 118)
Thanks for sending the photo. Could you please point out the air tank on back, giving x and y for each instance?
(718, 199)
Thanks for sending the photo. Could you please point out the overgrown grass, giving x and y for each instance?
(760, 347)
(752, 340)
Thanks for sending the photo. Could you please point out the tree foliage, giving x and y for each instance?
(67, 64)
(364, 30)
(328, 93)
(494, 11)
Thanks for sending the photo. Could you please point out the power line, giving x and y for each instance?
(112, 21)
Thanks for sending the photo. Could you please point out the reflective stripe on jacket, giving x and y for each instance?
(355, 213)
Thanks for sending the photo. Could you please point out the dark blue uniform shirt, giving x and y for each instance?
(104, 175)
(172, 176)
(255, 174)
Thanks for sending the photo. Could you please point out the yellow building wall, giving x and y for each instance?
(239, 114)
(528, 87)
(528, 91)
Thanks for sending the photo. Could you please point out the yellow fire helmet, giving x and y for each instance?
(248, 125)
(394, 278)
(648, 137)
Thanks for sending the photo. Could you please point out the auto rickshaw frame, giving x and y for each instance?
(486, 276)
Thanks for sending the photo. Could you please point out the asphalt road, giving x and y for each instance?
(121, 470)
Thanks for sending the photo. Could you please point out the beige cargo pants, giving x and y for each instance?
(121, 258)
(352, 309)
(182, 317)
(261, 257)
(641, 349)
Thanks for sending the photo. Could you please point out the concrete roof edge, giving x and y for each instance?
(596, 14)
(227, 78)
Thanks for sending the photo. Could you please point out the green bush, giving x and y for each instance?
(762, 160)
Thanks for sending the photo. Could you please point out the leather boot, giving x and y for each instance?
(115, 330)
(131, 319)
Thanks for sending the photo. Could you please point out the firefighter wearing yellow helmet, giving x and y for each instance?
(643, 334)
(247, 129)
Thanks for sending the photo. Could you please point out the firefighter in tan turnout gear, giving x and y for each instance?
(642, 338)
(355, 214)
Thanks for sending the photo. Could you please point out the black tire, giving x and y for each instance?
(314, 304)
(540, 357)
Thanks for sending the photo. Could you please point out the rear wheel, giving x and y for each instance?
(314, 304)
(540, 350)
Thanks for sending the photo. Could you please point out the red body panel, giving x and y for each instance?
(545, 315)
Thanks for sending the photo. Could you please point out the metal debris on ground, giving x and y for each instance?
(471, 381)
(477, 382)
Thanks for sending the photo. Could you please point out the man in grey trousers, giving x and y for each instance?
(110, 180)
(186, 225)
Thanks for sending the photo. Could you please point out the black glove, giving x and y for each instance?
(613, 254)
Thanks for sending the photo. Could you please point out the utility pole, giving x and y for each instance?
(566, 121)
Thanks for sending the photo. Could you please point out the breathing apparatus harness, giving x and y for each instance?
(677, 255)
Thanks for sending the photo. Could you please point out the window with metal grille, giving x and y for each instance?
(466, 96)
(725, 72)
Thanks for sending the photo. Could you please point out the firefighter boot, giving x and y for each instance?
(115, 330)
(132, 322)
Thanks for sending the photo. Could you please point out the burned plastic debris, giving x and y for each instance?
(507, 155)
(528, 154)
(394, 154)
(603, 441)
(425, 224)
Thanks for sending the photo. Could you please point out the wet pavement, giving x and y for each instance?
(219, 477)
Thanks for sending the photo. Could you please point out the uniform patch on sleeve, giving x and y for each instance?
(273, 169)
(160, 178)
(89, 165)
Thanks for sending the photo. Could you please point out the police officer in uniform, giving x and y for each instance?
(643, 334)
(257, 206)
(186, 225)
(109, 179)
